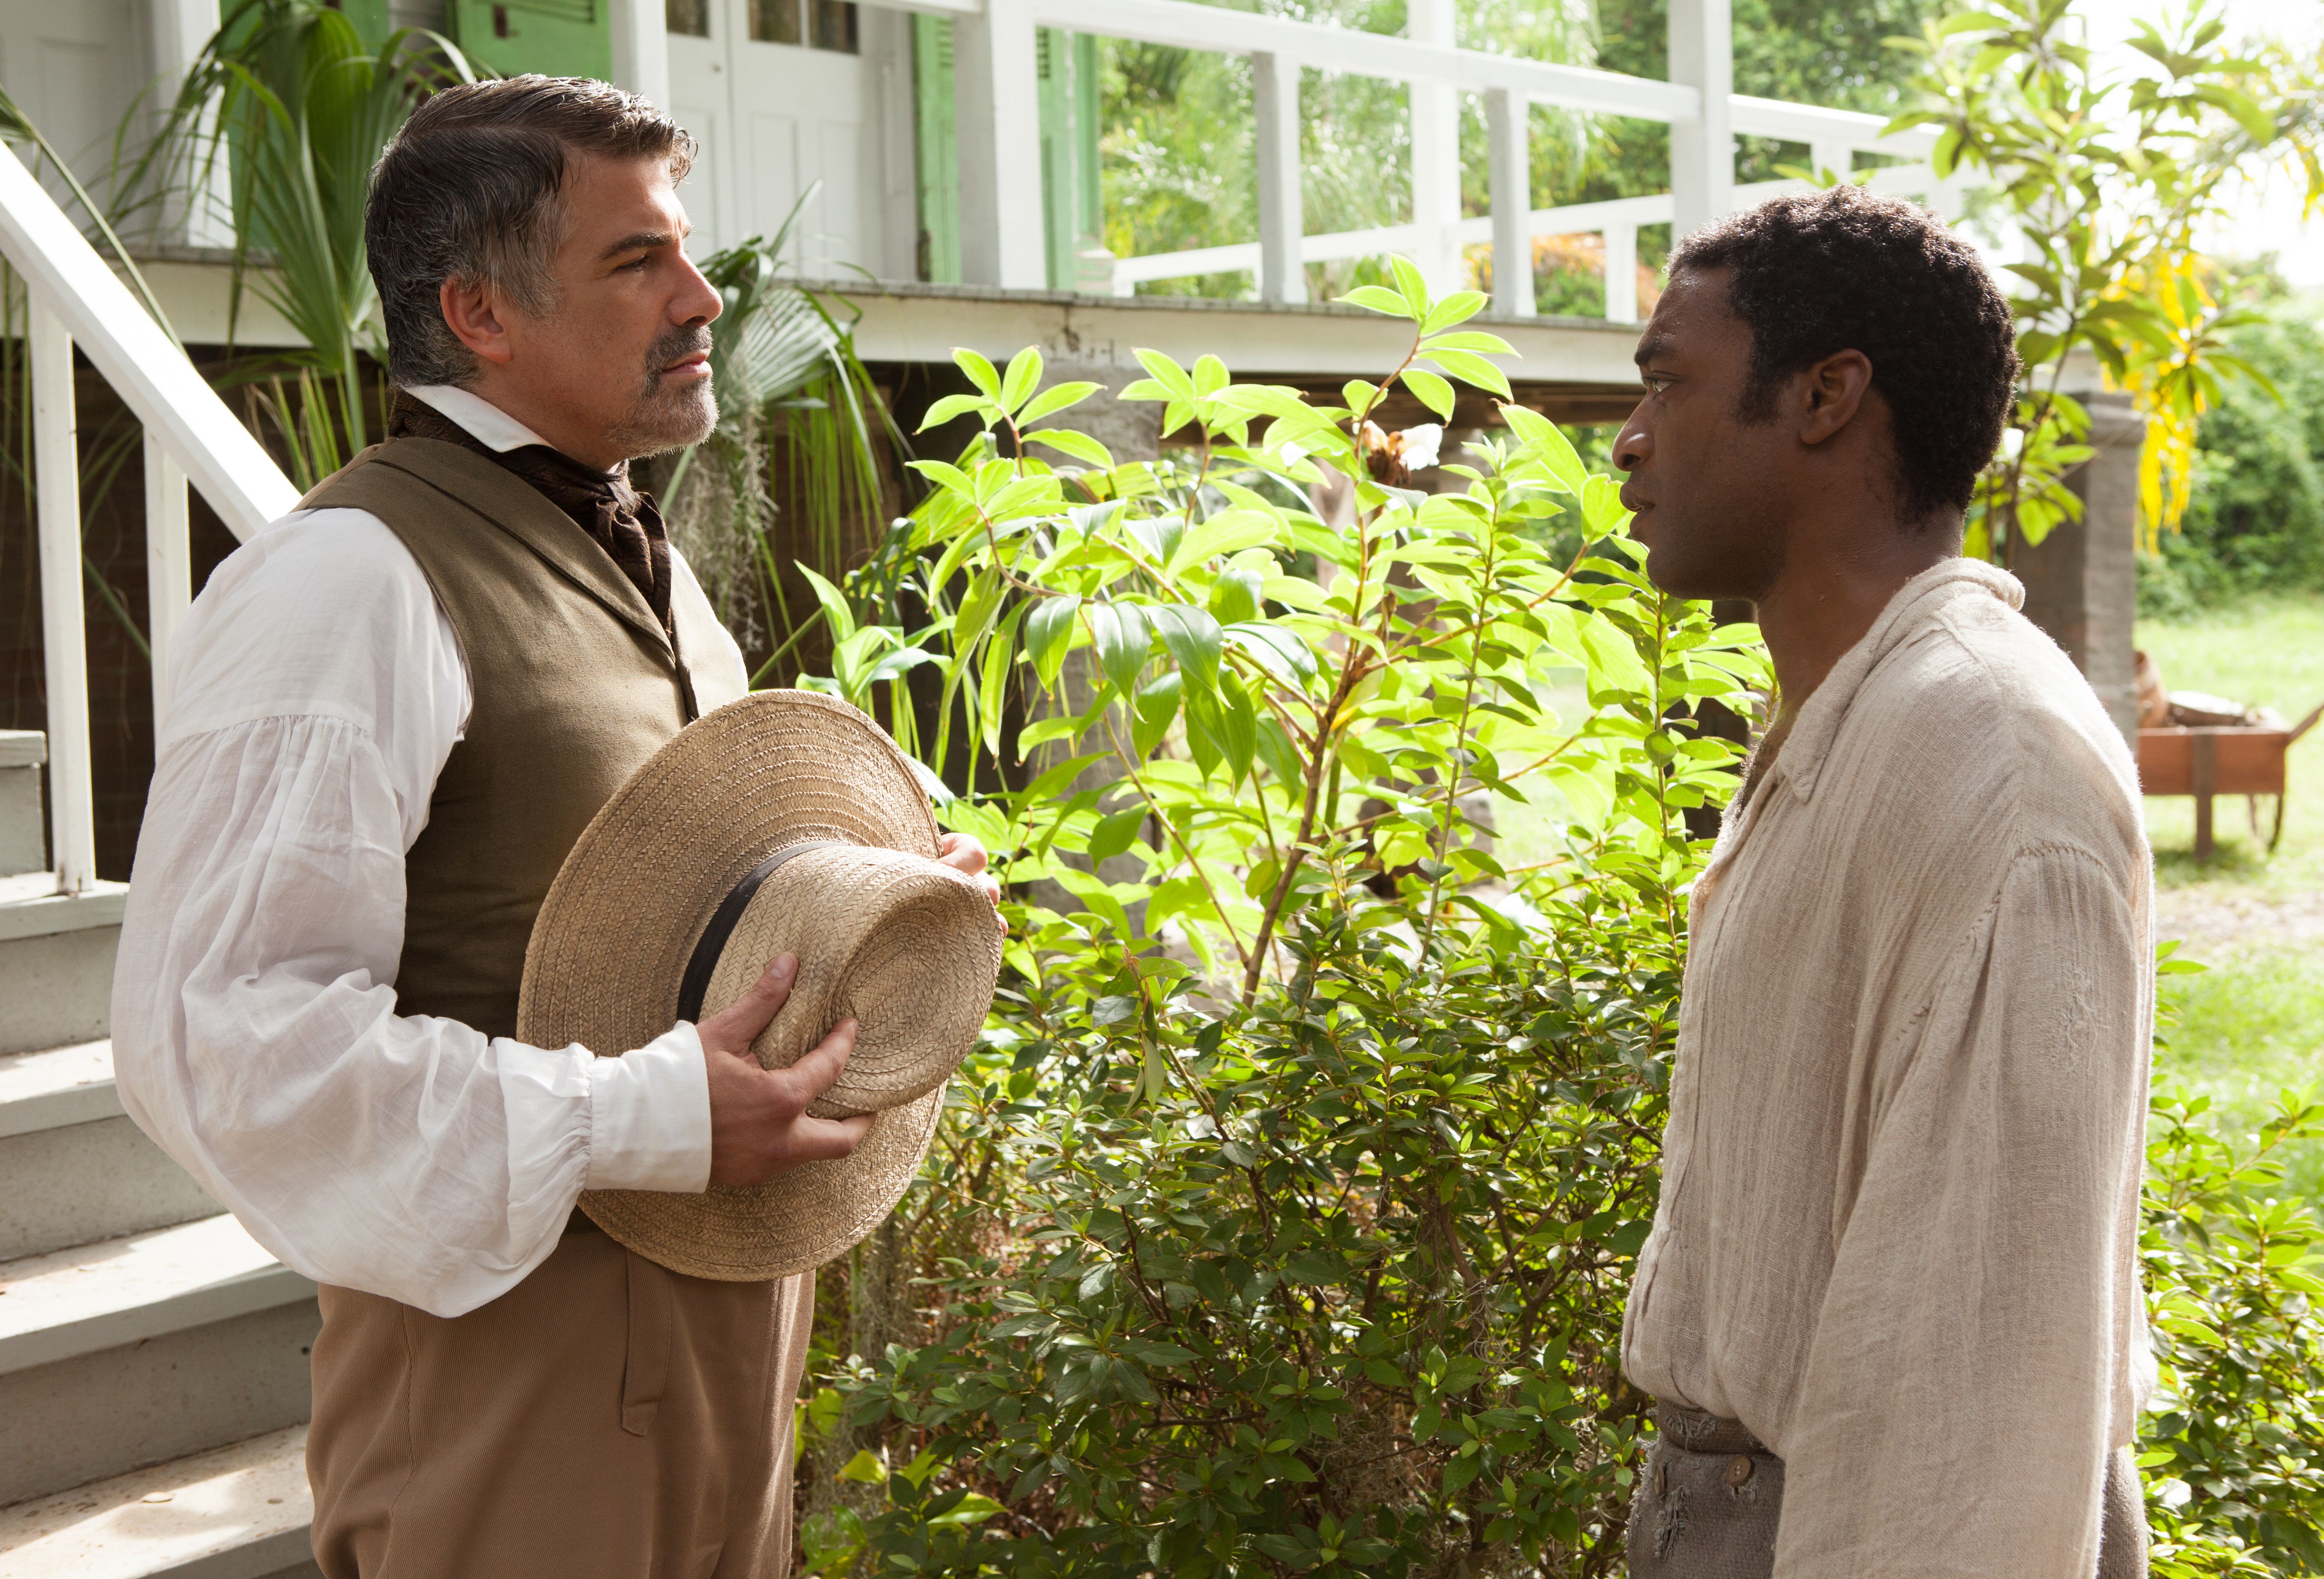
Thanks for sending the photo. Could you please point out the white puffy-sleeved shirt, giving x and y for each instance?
(1899, 1220)
(316, 689)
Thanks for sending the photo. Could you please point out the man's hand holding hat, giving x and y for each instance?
(759, 1122)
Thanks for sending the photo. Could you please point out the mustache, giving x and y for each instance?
(675, 344)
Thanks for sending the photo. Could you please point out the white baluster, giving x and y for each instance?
(198, 211)
(996, 115)
(1435, 154)
(56, 471)
(1509, 121)
(1836, 157)
(1702, 147)
(168, 563)
(1282, 219)
(1622, 273)
(1948, 198)
(641, 49)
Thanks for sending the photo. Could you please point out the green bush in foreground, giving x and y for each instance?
(1281, 1223)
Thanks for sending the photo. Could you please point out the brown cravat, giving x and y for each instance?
(621, 519)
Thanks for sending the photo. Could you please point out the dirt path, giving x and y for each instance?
(2216, 920)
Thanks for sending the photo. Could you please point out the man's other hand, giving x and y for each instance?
(961, 852)
(759, 1122)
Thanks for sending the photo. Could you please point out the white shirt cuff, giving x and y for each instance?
(649, 1117)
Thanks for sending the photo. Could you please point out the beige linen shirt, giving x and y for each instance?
(1899, 1212)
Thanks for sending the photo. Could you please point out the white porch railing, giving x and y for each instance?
(189, 436)
(995, 101)
(1617, 220)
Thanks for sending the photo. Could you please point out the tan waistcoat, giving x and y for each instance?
(575, 684)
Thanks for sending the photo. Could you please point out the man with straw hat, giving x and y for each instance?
(449, 915)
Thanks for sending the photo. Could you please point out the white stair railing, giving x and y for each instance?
(189, 436)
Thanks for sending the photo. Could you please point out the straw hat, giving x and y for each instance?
(785, 822)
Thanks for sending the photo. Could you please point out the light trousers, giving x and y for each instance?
(607, 1418)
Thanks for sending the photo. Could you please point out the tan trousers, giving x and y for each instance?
(605, 1419)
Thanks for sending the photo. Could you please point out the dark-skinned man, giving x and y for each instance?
(1890, 1310)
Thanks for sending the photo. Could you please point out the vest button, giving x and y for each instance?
(1738, 1469)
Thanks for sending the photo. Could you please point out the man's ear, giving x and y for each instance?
(1834, 389)
(473, 312)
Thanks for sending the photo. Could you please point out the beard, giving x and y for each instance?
(666, 417)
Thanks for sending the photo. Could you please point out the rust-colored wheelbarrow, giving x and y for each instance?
(2209, 760)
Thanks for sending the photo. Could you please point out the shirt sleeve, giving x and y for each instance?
(317, 691)
(1961, 1390)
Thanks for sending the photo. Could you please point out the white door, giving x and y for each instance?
(781, 93)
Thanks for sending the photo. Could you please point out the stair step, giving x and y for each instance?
(31, 906)
(24, 834)
(238, 1512)
(72, 1166)
(118, 1291)
(144, 1348)
(56, 961)
(56, 1086)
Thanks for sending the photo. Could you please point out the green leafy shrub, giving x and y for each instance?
(2232, 1451)
(1282, 1221)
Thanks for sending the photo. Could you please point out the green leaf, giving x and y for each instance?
(1230, 532)
(950, 478)
(1280, 653)
(1457, 308)
(1048, 632)
(1042, 731)
(1115, 832)
(1158, 708)
(1235, 595)
(1055, 399)
(1167, 374)
(834, 605)
(993, 693)
(1601, 505)
(1202, 733)
(1546, 444)
(955, 405)
(1470, 368)
(1193, 638)
(1431, 390)
(1415, 288)
(1080, 445)
(1123, 638)
(1238, 726)
(1379, 300)
(1467, 340)
(980, 372)
(1023, 376)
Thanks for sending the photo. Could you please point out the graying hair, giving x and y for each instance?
(471, 190)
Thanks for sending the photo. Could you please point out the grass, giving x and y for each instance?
(2242, 1031)
(2253, 1023)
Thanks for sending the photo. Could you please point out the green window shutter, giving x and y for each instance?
(1059, 188)
(1072, 197)
(557, 38)
(937, 142)
(1089, 187)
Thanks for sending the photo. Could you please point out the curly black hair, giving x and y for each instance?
(1840, 270)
